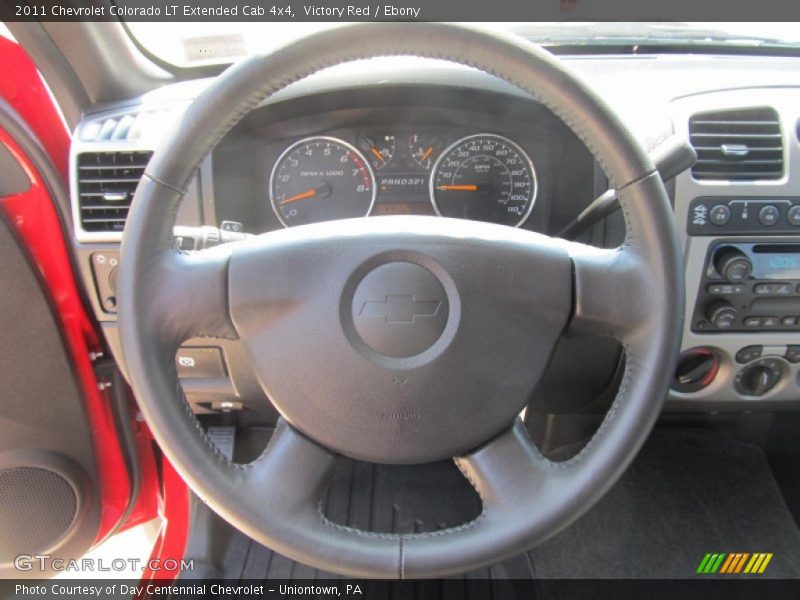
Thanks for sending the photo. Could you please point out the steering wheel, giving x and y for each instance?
(416, 390)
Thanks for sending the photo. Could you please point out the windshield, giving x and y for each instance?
(198, 44)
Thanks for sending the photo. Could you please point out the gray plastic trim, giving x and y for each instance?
(721, 392)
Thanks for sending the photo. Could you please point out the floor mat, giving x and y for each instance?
(385, 499)
(688, 493)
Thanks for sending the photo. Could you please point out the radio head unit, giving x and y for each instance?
(749, 286)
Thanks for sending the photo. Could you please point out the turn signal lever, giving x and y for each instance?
(198, 238)
(672, 157)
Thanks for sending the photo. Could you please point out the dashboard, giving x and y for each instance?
(484, 177)
(425, 138)
(454, 153)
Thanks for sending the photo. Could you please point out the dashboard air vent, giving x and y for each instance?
(128, 127)
(106, 183)
(740, 145)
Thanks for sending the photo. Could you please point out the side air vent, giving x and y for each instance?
(106, 183)
(740, 145)
(127, 127)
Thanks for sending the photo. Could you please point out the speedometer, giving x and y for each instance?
(484, 177)
(321, 179)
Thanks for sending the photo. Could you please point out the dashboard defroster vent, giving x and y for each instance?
(106, 184)
(740, 145)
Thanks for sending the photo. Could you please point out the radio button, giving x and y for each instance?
(768, 215)
(753, 322)
(722, 315)
(719, 215)
(726, 289)
(773, 289)
(745, 355)
(794, 215)
(733, 264)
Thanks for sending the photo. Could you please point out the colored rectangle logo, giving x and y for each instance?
(734, 563)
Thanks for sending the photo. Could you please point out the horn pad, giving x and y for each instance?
(399, 309)
(400, 340)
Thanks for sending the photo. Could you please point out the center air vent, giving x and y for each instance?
(742, 145)
(106, 183)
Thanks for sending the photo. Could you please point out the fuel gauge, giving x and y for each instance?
(378, 149)
(424, 148)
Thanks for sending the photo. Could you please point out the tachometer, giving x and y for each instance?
(484, 177)
(321, 179)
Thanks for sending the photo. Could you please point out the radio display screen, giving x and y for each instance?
(776, 265)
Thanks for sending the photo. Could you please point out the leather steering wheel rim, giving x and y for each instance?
(634, 293)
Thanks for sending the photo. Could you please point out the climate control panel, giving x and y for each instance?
(749, 286)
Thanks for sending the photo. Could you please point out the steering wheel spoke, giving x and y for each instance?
(190, 295)
(612, 291)
(512, 478)
(289, 480)
(290, 475)
(506, 469)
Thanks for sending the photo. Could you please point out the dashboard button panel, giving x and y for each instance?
(104, 270)
(743, 216)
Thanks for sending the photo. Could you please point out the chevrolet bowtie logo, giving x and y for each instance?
(400, 308)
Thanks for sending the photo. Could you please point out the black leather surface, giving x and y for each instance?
(633, 293)
(291, 297)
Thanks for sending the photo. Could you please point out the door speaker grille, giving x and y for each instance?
(37, 508)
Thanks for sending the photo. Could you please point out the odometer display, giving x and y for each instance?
(321, 179)
(484, 177)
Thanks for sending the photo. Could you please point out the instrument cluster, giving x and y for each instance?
(482, 176)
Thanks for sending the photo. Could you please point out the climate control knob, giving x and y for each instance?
(696, 369)
(758, 378)
(721, 315)
(732, 264)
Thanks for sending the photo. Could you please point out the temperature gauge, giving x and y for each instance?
(424, 148)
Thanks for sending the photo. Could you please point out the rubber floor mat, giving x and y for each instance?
(688, 493)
